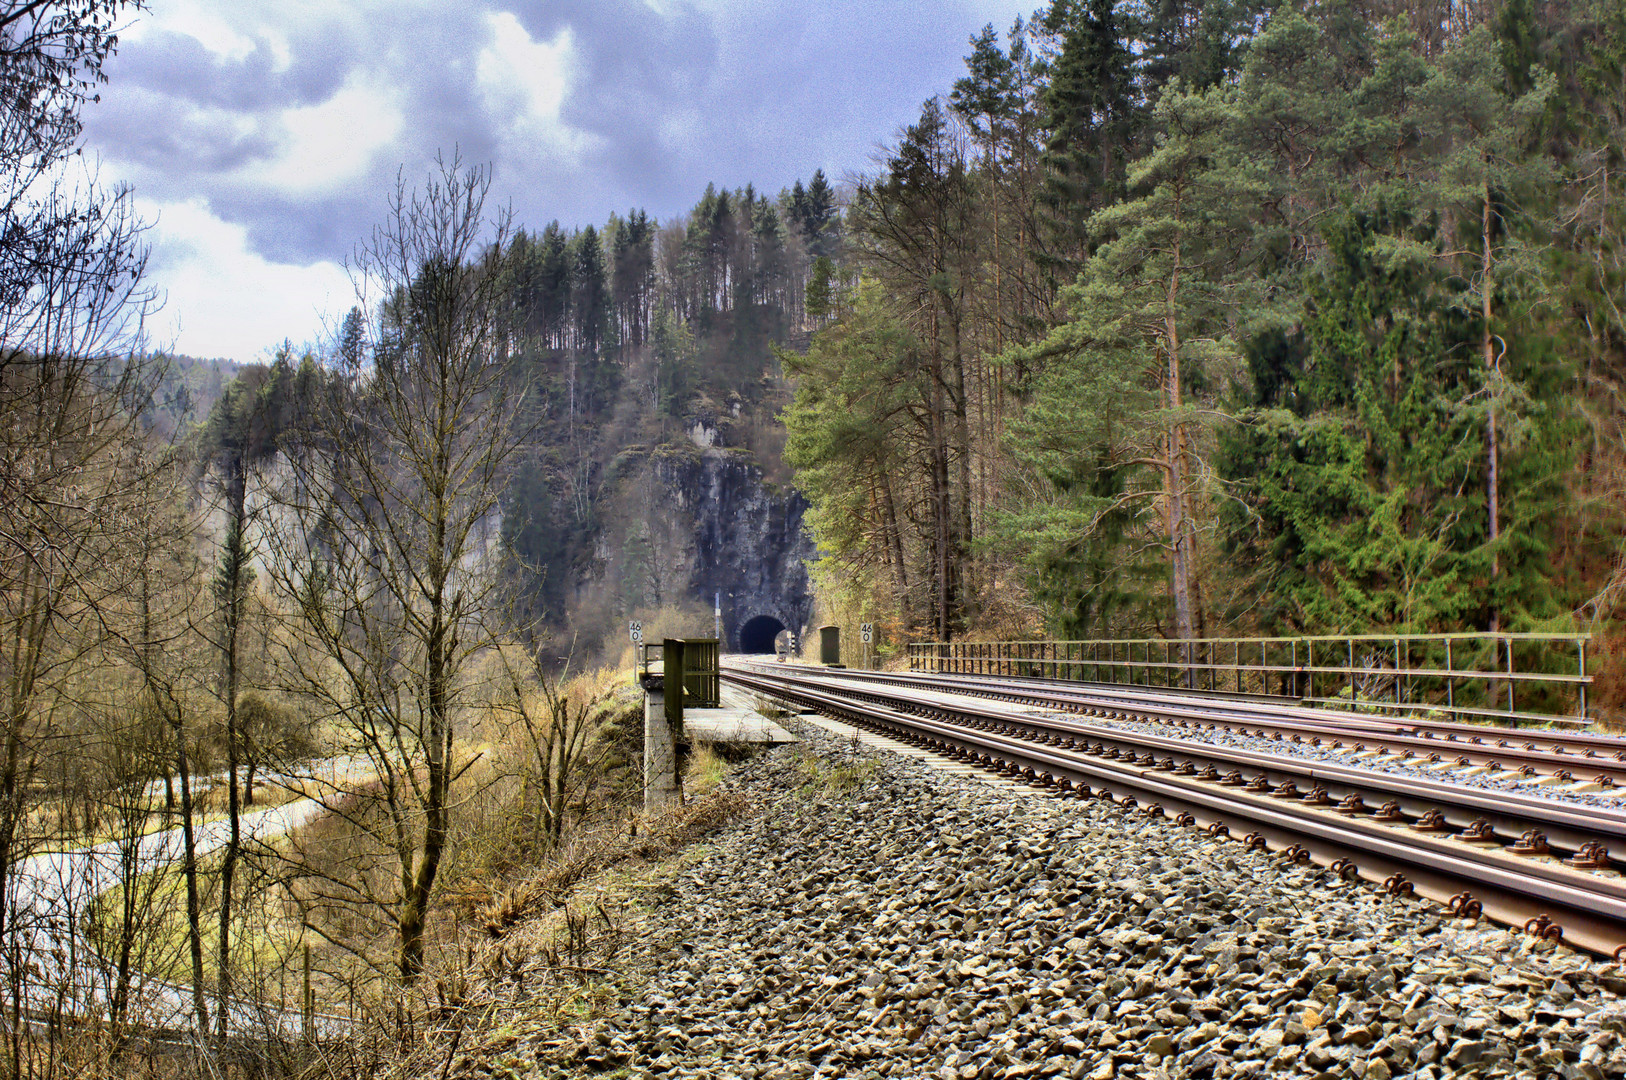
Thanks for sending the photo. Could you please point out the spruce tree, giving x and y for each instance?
(819, 225)
(1354, 464)
(554, 277)
(1091, 125)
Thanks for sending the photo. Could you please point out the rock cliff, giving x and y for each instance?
(749, 547)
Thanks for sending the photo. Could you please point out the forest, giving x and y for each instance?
(1231, 318)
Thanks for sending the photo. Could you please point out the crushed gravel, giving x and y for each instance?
(1581, 792)
(1505, 781)
(876, 918)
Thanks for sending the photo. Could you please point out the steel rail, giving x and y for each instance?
(1430, 804)
(1585, 910)
(1576, 742)
(1563, 756)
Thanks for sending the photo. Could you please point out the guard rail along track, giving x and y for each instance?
(1406, 845)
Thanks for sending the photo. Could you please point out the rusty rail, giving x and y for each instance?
(1555, 753)
(1584, 909)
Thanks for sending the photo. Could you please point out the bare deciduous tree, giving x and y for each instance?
(559, 731)
(385, 538)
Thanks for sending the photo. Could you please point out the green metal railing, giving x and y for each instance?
(697, 658)
(1515, 678)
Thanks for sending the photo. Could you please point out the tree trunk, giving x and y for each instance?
(171, 709)
(236, 555)
(938, 464)
(942, 515)
(962, 451)
(1493, 378)
(129, 870)
(189, 869)
(415, 905)
(24, 664)
(900, 569)
(1175, 476)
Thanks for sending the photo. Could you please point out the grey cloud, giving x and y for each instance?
(179, 66)
(764, 94)
(165, 135)
(774, 91)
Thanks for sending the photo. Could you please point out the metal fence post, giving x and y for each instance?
(1580, 660)
(1397, 671)
(1450, 683)
(1510, 679)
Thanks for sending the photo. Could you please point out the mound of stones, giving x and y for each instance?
(877, 918)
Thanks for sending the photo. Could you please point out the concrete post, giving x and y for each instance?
(660, 751)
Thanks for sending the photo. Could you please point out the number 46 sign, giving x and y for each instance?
(866, 632)
(635, 630)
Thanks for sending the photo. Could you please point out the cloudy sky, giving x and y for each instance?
(263, 138)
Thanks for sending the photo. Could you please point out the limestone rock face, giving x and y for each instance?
(748, 541)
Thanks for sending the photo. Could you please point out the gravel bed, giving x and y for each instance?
(1505, 781)
(878, 918)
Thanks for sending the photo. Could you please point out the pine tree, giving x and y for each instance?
(1090, 122)
(1492, 177)
(1150, 322)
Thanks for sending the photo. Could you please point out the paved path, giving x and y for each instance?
(737, 721)
(50, 894)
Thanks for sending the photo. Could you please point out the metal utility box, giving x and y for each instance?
(691, 663)
(702, 682)
(830, 646)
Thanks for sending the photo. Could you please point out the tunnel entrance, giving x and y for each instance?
(757, 635)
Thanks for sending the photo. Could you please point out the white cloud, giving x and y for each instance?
(524, 83)
(224, 299)
(326, 146)
(197, 19)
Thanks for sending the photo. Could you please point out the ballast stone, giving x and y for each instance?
(921, 925)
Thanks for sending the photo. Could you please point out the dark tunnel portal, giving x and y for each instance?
(757, 635)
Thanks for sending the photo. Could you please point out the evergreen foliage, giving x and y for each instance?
(1240, 316)
(627, 335)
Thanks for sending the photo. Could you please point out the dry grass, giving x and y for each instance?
(705, 771)
(643, 838)
(548, 963)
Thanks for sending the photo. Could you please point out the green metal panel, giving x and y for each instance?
(830, 646)
(673, 658)
(702, 682)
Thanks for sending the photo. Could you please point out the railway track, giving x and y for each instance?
(1567, 757)
(1525, 860)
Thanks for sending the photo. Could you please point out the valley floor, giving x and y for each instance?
(871, 917)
